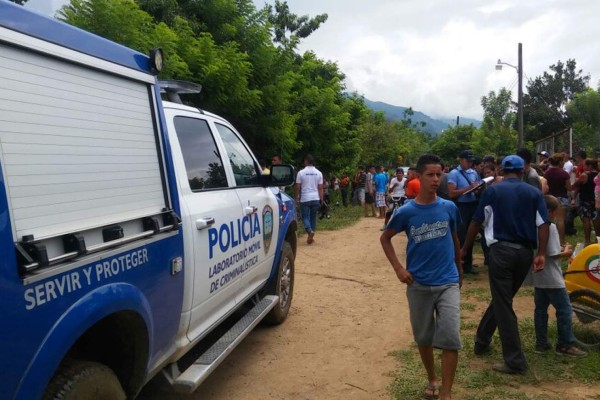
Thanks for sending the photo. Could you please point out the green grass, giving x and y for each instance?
(341, 217)
(577, 238)
(467, 325)
(525, 291)
(480, 293)
(476, 381)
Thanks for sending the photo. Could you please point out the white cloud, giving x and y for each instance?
(48, 7)
(439, 56)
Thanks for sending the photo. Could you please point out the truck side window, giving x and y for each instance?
(244, 168)
(200, 154)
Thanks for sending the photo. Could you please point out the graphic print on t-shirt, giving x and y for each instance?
(429, 231)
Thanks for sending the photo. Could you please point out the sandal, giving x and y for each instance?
(431, 391)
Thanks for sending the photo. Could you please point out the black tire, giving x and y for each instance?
(84, 380)
(283, 287)
(586, 318)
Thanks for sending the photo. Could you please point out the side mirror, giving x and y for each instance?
(281, 175)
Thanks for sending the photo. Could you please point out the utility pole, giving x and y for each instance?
(520, 96)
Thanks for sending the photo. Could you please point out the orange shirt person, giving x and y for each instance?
(413, 185)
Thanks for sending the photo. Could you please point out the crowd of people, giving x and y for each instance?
(573, 181)
(522, 212)
(513, 214)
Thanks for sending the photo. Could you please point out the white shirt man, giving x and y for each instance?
(568, 166)
(397, 183)
(309, 191)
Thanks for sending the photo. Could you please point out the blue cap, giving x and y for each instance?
(513, 162)
(466, 154)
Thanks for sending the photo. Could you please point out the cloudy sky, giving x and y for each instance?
(438, 56)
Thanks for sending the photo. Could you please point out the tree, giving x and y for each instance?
(584, 111)
(496, 134)
(282, 102)
(452, 141)
(288, 28)
(267, 74)
(545, 103)
(407, 119)
(323, 120)
(121, 21)
(380, 141)
(413, 143)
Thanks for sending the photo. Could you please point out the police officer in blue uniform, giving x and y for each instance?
(460, 180)
(513, 215)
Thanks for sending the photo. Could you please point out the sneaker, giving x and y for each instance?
(310, 239)
(570, 351)
(542, 348)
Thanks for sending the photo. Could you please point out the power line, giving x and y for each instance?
(512, 83)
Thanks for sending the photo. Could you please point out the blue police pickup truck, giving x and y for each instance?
(132, 230)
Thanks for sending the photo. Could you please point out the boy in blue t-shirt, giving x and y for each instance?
(380, 180)
(433, 273)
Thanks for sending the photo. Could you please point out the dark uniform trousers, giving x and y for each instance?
(508, 265)
(467, 210)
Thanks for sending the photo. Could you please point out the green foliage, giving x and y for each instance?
(475, 380)
(288, 28)
(413, 143)
(324, 124)
(545, 103)
(496, 134)
(120, 20)
(584, 111)
(341, 217)
(452, 141)
(380, 141)
(246, 61)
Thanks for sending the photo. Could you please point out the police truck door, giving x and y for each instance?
(259, 205)
(212, 216)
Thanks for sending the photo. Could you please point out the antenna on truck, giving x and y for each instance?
(173, 89)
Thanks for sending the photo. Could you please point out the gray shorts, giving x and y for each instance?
(435, 315)
(360, 192)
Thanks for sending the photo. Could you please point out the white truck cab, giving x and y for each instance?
(132, 230)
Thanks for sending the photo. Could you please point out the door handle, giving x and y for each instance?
(204, 222)
(250, 210)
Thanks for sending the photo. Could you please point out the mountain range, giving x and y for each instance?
(433, 126)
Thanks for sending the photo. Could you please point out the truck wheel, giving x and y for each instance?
(283, 286)
(586, 317)
(84, 380)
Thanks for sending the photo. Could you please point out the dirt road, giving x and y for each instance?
(349, 311)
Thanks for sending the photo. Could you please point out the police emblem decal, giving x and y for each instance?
(267, 217)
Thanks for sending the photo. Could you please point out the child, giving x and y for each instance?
(433, 273)
(550, 289)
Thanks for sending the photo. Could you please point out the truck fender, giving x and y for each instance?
(288, 219)
(82, 315)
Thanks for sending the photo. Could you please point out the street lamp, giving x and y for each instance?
(519, 69)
